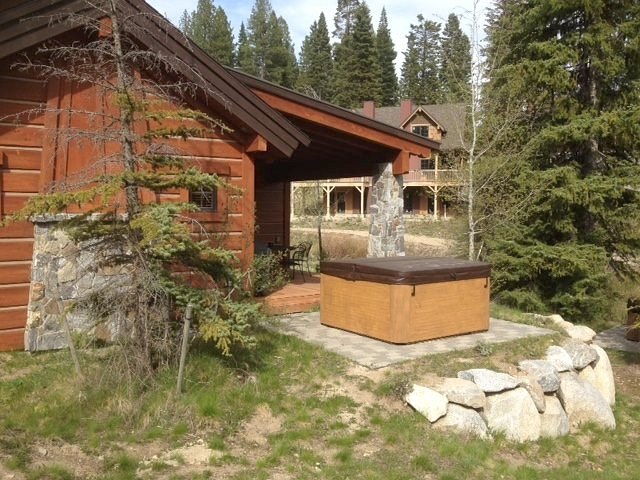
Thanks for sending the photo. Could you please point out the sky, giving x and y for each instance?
(300, 14)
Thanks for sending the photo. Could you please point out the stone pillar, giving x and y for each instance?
(62, 273)
(386, 232)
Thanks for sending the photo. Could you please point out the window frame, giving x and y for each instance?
(421, 125)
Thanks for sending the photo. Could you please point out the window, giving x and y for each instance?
(427, 164)
(207, 200)
(422, 130)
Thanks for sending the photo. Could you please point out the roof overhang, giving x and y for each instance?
(27, 23)
(331, 116)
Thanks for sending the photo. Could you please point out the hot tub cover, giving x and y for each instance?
(406, 270)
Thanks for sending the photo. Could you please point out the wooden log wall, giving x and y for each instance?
(32, 156)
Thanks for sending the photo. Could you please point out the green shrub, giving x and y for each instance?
(267, 273)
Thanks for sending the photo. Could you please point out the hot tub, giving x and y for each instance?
(405, 299)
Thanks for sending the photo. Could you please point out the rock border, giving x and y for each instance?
(549, 397)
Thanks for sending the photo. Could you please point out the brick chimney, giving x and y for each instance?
(406, 107)
(369, 109)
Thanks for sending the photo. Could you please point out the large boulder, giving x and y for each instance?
(559, 358)
(557, 319)
(554, 421)
(533, 388)
(488, 380)
(544, 372)
(588, 375)
(428, 402)
(460, 391)
(463, 419)
(514, 414)
(583, 403)
(580, 332)
(604, 381)
(581, 354)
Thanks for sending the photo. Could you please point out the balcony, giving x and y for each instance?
(433, 177)
(447, 177)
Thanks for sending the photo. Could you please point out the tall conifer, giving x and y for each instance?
(455, 70)
(345, 18)
(577, 79)
(386, 59)
(421, 67)
(316, 62)
(209, 27)
(357, 68)
(244, 55)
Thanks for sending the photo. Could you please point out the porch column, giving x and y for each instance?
(386, 231)
(361, 191)
(435, 203)
(292, 200)
(436, 188)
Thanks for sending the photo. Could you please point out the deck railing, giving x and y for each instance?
(441, 177)
(431, 177)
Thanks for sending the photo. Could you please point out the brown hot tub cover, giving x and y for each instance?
(406, 270)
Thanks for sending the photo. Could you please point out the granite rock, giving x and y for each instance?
(488, 380)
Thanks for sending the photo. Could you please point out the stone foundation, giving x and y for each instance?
(386, 231)
(63, 272)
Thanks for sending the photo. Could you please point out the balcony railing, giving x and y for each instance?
(422, 177)
(441, 177)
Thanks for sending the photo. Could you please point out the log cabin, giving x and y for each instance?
(279, 136)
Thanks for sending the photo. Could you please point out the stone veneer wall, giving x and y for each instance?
(61, 273)
(386, 231)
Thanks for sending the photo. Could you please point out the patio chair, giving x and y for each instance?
(296, 259)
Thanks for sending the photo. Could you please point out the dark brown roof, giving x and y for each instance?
(356, 117)
(450, 115)
(26, 23)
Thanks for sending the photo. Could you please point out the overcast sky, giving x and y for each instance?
(300, 14)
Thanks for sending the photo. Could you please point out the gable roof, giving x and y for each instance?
(26, 23)
(451, 116)
(343, 113)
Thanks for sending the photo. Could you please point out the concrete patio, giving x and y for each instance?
(615, 339)
(374, 354)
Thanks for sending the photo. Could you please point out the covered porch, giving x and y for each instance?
(341, 144)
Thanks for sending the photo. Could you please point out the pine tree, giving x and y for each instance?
(357, 69)
(577, 79)
(265, 48)
(421, 66)
(259, 37)
(281, 64)
(345, 18)
(209, 27)
(244, 54)
(386, 58)
(455, 70)
(316, 62)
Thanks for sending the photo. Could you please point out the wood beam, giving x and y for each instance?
(256, 144)
(401, 163)
(336, 123)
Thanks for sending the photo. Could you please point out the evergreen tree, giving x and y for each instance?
(577, 79)
(265, 48)
(244, 55)
(421, 67)
(316, 62)
(345, 18)
(455, 73)
(209, 27)
(357, 68)
(386, 58)
(281, 64)
(259, 37)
